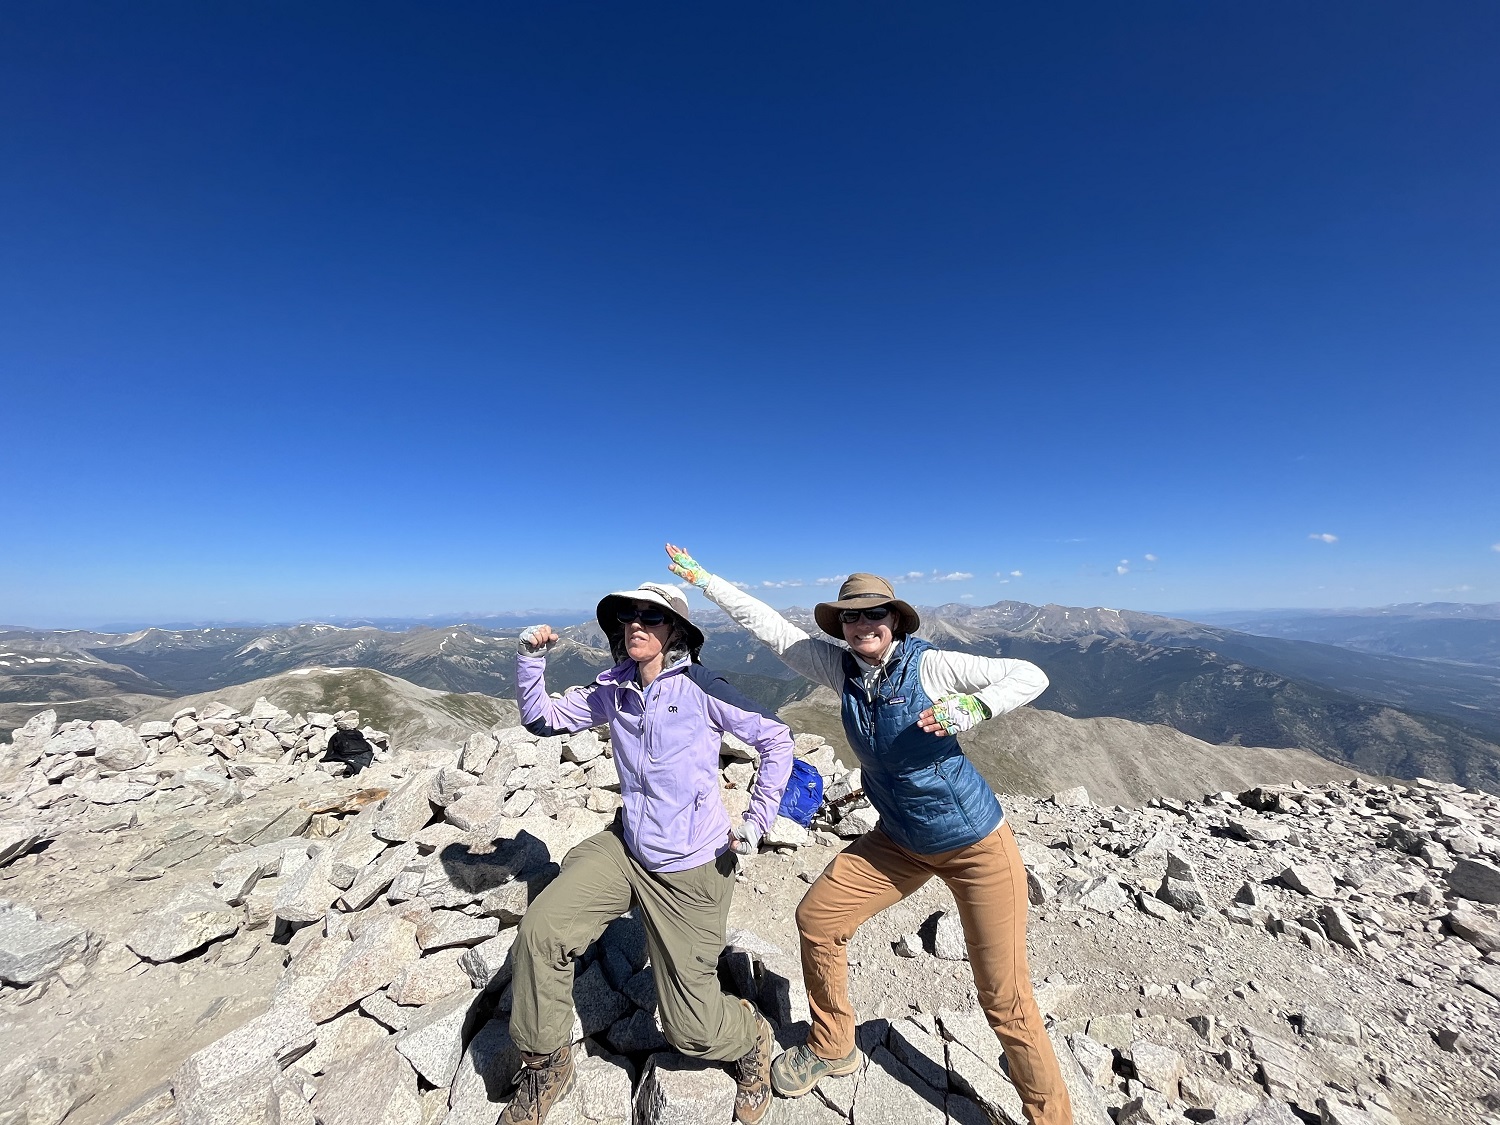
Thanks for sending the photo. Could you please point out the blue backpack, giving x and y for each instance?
(804, 793)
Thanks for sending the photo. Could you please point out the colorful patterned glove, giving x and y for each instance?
(956, 713)
(525, 642)
(688, 569)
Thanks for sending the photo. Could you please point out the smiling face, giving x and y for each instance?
(870, 640)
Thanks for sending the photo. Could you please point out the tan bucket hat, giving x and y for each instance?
(657, 593)
(864, 591)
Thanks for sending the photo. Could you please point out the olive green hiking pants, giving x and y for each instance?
(684, 914)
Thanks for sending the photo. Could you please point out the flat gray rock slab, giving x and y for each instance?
(434, 1039)
(229, 1081)
(890, 1094)
(1475, 880)
(192, 919)
(430, 979)
(408, 809)
(18, 839)
(482, 1081)
(384, 948)
(32, 950)
(306, 895)
(676, 1090)
(341, 1039)
(489, 963)
(376, 1087)
(444, 928)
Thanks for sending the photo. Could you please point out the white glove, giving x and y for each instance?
(956, 713)
(535, 640)
(745, 843)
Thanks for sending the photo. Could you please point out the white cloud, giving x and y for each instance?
(1324, 537)
(834, 581)
(741, 585)
(912, 576)
(1015, 574)
(782, 584)
(1452, 589)
(965, 597)
(956, 576)
(1124, 567)
(1151, 558)
(1495, 547)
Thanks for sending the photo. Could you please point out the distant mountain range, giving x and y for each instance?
(1379, 711)
(1454, 632)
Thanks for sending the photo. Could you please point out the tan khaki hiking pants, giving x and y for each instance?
(684, 913)
(988, 883)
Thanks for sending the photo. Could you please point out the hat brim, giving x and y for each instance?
(604, 613)
(826, 614)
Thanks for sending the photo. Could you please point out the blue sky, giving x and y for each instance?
(317, 310)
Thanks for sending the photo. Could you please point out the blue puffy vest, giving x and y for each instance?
(929, 796)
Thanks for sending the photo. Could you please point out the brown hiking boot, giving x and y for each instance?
(752, 1074)
(543, 1082)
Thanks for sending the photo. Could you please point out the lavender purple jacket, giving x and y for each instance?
(666, 743)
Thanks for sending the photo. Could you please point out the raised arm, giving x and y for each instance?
(819, 660)
(578, 709)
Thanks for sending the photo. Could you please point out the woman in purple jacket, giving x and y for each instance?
(669, 856)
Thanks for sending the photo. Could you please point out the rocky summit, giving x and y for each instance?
(203, 923)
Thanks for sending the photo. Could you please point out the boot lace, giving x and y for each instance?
(528, 1097)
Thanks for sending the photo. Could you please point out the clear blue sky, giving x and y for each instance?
(315, 310)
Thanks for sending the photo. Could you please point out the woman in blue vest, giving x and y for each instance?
(903, 703)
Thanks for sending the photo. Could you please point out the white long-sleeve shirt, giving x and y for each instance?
(1001, 685)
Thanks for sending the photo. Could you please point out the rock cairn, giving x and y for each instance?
(1328, 953)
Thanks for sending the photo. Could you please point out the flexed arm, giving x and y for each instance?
(819, 660)
(541, 714)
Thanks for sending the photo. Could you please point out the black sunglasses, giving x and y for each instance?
(850, 616)
(647, 615)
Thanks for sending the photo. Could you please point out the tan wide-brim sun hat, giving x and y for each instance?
(657, 593)
(864, 591)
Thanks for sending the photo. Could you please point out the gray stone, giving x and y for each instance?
(1094, 1059)
(376, 879)
(430, 979)
(1270, 1111)
(976, 1078)
(78, 740)
(30, 737)
(1077, 797)
(117, 747)
(408, 809)
(1157, 1068)
(444, 928)
(192, 919)
(306, 895)
(603, 774)
(676, 1090)
(1339, 928)
(32, 950)
(890, 1094)
(378, 1006)
(356, 849)
(597, 1004)
(1475, 880)
(921, 1052)
(1334, 1025)
(1311, 879)
(434, 1039)
(1266, 832)
(341, 1039)
(478, 749)
(376, 1087)
(785, 833)
(488, 964)
(384, 947)
(1280, 1065)
(229, 1081)
(478, 807)
(1182, 894)
(948, 942)
(450, 785)
(272, 824)
(18, 839)
(1486, 978)
(639, 1032)
(908, 945)
(582, 747)
(485, 1070)
(114, 792)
